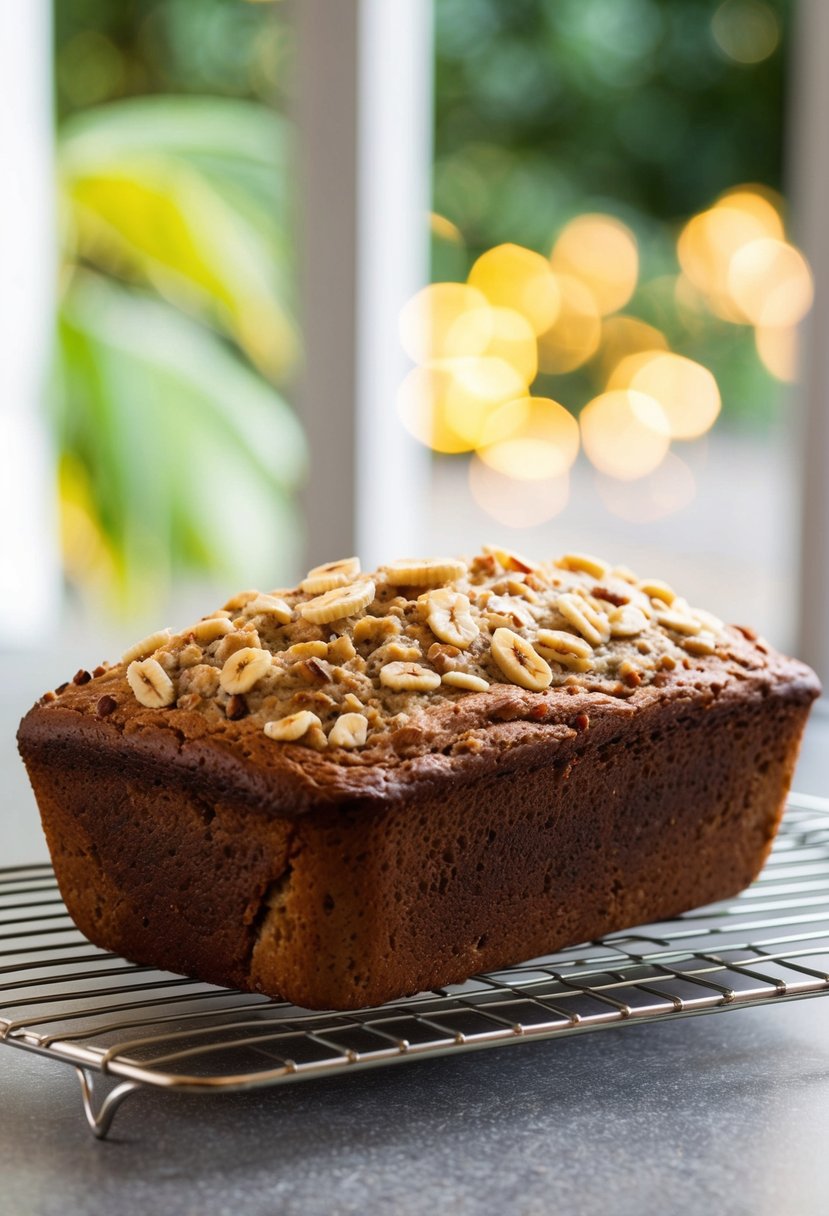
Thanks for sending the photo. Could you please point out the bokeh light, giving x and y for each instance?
(625, 434)
(517, 278)
(622, 336)
(429, 323)
(601, 252)
(778, 349)
(513, 340)
(746, 31)
(669, 488)
(770, 282)
(710, 240)
(530, 439)
(686, 391)
(517, 504)
(574, 337)
(449, 405)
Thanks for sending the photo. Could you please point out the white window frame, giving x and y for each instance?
(364, 119)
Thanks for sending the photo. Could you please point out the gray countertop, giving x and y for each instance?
(728, 1110)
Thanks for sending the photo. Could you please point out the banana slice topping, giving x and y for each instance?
(409, 677)
(450, 617)
(565, 648)
(423, 572)
(330, 575)
(519, 662)
(146, 646)
(349, 730)
(244, 668)
(338, 603)
(292, 727)
(150, 683)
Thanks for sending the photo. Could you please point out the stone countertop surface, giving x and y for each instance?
(728, 1110)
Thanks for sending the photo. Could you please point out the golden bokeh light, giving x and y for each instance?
(511, 276)
(770, 283)
(444, 229)
(530, 439)
(625, 434)
(601, 252)
(421, 407)
(513, 340)
(517, 504)
(575, 336)
(622, 336)
(666, 490)
(778, 349)
(686, 390)
(449, 405)
(478, 388)
(429, 323)
(760, 203)
(709, 242)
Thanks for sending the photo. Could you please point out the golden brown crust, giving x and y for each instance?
(457, 737)
(473, 828)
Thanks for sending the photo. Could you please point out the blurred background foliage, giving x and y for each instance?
(646, 110)
(176, 331)
(178, 454)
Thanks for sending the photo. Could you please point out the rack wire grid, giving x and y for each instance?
(124, 1027)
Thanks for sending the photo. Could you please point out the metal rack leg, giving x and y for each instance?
(101, 1121)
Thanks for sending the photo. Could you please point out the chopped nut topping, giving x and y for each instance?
(510, 560)
(629, 673)
(341, 650)
(373, 645)
(241, 639)
(444, 658)
(237, 707)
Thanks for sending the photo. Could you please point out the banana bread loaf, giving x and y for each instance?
(373, 784)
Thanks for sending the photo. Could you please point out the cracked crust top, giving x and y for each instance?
(353, 686)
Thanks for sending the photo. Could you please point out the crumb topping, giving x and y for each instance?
(347, 655)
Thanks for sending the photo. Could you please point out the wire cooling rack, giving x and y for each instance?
(124, 1027)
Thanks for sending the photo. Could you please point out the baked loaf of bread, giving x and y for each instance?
(373, 784)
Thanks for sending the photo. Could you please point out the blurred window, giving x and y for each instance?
(608, 184)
